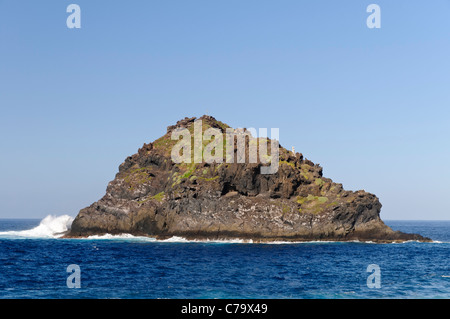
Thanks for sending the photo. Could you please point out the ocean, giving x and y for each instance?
(35, 263)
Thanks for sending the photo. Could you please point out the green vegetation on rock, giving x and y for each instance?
(319, 182)
(311, 203)
(287, 163)
(136, 177)
(189, 171)
(159, 197)
(209, 179)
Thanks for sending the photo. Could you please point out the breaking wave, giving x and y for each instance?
(50, 227)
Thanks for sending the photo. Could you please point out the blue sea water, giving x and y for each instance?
(33, 264)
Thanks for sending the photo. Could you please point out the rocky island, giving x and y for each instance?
(153, 196)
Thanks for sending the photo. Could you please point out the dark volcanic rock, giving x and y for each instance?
(153, 196)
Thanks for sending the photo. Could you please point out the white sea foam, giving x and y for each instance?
(176, 239)
(50, 227)
(120, 237)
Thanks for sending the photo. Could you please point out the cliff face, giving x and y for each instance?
(153, 196)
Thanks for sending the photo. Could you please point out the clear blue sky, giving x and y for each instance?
(372, 106)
